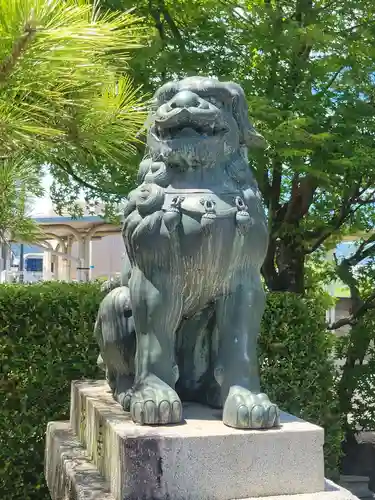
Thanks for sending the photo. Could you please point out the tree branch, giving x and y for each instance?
(346, 210)
(155, 13)
(303, 16)
(68, 170)
(261, 176)
(18, 49)
(331, 227)
(345, 273)
(172, 25)
(332, 80)
(326, 6)
(277, 25)
(351, 320)
(362, 252)
(302, 195)
(268, 269)
(275, 189)
(367, 201)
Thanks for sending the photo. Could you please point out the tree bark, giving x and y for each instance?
(284, 266)
(291, 265)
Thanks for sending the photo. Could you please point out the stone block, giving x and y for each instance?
(69, 473)
(358, 485)
(71, 476)
(202, 459)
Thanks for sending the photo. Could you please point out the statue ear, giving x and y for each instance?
(144, 168)
(249, 137)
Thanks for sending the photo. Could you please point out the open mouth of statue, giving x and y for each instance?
(181, 131)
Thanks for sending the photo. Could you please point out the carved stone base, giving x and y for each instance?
(69, 473)
(101, 454)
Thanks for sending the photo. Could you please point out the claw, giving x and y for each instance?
(271, 415)
(164, 412)
(243, 417)
(246, 410)
(150, 412)
(153, 402)
(176, 412)
(137, 413)
(257, 415)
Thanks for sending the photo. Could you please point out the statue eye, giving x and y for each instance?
(215, 101)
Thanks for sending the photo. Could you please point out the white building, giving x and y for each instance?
(72, 250)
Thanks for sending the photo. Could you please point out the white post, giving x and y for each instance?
(47, 261)
(82, 274)
(56, 265)
(331, 313)
(2, 259)
(90, 258)
(87, 258)
(69, 245)
(8, 258)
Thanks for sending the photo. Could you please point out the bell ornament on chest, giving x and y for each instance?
(209, 217)
(172, 216)
(243, 219)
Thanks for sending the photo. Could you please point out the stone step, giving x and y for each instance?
(71, 476)
(69, 473)
(202, 459)
(358, 485)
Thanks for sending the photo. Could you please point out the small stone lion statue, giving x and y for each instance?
(182, 325)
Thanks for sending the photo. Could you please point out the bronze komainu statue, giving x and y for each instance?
(185, 319)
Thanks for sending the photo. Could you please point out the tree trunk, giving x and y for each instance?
(291, 265)
(284, 267)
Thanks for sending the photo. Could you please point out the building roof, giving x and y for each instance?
(64, 226)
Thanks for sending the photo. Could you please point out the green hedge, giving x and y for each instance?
(297, 366)
(46, 340)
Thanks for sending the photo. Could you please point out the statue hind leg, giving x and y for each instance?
(114, 331)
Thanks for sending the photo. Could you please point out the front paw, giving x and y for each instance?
(245, 410)
(153, 402)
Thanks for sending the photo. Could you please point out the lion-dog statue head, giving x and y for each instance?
(196, 123)
(197, 108)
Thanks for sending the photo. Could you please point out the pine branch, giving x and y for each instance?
(18, 49)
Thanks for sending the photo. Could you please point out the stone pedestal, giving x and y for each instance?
(101, 454)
